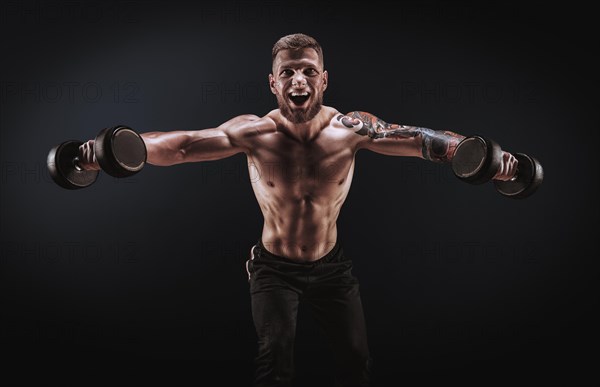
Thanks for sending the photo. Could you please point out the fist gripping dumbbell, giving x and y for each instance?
(477, 160)
(119, 151)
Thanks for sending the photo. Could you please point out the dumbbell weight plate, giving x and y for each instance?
(120, 151)
(62, 167)
(476, 160)
(530, 175)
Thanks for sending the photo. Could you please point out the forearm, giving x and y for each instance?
(438, 145)
(165, 148)
(435, 145)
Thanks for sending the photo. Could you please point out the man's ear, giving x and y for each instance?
(272, 84)
(325, 79)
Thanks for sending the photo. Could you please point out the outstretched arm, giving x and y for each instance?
(183, 146)
(401, 140)
(229, 138)
(404, 140)
(175, 147)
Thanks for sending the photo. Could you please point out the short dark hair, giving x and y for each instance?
(295, 42)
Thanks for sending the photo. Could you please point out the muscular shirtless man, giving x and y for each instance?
(304, 154)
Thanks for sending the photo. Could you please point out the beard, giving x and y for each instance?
(298, 116)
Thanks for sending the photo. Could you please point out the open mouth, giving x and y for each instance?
(299, 99)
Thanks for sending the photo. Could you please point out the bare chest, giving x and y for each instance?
(286, 165)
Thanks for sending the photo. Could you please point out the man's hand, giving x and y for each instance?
(508, 167)
(86, 158)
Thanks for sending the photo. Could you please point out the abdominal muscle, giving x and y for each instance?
(301, 230)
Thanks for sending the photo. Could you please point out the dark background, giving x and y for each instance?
(141, 281)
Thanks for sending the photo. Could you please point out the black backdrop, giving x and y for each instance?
(141, 281)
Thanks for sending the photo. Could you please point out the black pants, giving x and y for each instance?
(277, 285)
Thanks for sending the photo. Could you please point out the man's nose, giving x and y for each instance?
(299, 80)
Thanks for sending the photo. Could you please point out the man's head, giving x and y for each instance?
(298, 79)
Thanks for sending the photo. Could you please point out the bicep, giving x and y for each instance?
(208, 144)
(227, 139)
(234, 136)
(381, 137)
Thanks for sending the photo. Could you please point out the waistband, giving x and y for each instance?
(325, 258)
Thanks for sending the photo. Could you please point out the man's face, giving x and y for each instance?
(298, 81)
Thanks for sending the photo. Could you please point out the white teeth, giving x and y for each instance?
(305, 94)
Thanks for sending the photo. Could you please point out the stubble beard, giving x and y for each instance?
(298, 116)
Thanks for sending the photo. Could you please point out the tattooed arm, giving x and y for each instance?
(401, 140)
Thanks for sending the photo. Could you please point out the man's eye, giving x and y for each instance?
(287, 73)
(310, 72)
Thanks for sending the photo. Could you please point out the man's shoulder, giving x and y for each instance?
(347, 121)
(250, 121)
(337, 115)
(274, 115)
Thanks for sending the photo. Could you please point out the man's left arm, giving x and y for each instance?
(403, 140)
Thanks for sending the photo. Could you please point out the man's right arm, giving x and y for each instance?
(176, 147)
(184, 146)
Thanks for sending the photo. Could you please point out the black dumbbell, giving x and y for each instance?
(477, 160)
(120, 152)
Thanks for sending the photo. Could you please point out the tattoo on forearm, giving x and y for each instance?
(437, 145)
